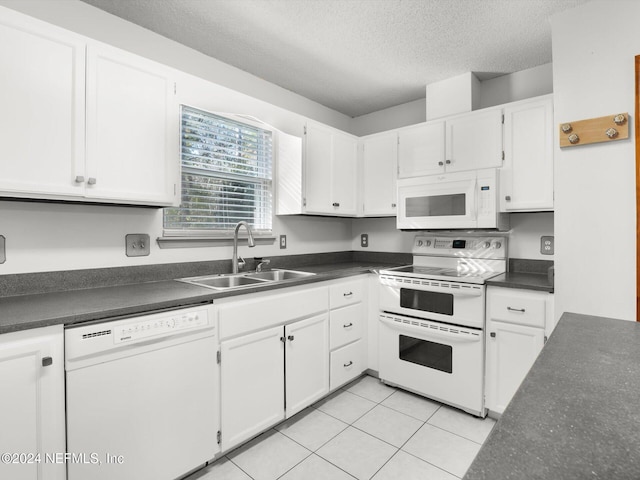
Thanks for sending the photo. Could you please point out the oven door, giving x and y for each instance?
(438, 201)
(450, 302)
(442, 362)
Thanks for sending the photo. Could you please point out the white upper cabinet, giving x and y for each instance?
(526, 179)
(474, 140)
(330, 160)
(83, 121)
(132, 128)
(42, 114)
(379, 172)
(421, 149)
(469, 141)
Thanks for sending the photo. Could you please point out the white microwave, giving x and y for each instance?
(450, 201)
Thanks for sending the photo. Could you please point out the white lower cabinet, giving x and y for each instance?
(274, 359)
(32, 416)
(517, 326)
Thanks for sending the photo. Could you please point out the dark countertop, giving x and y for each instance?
(576, 414)
(21, 312)
(526, 280)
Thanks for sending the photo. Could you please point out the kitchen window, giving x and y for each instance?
(226, 176)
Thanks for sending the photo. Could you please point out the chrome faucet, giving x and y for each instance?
(234, 259)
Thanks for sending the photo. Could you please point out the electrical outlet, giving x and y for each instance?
(283, 241)
(364, 240)
(3, 254)
(546, 245)
(137, 245)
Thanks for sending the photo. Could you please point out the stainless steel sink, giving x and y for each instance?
(254, 279)
(277, 275)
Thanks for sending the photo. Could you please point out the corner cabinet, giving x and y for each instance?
(83, 121)
(526, 178)
(379, 167)
(518, 324)
(33, 416)
(330, 171)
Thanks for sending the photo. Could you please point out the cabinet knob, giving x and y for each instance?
(448, 162)
(91, 181)
(348, 364)
(46, 361)
(79, 179)
(290, 338)
(282, 339)
(507, 198)
(393, 205)
(441, 163)
(336, 204)
(492, 334)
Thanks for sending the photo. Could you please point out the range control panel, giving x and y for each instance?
(462, 246)
(159, 325)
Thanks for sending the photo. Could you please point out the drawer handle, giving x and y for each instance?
(511, 309)
(348, 364)
(348, 325)
(46, 361)
(347, 294)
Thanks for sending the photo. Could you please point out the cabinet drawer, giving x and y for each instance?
(519, 307)
(346, 293)
(347, 363)
(346, 325)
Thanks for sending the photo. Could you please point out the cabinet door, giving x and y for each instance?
(251, 385)
(343, 174)
(132, 129)
(511, 351)
(421, 149)
(474, 141)
(42, 109)
(317, 169)
(379, 173)
(526, 179)
(32, 402)
(307, 362)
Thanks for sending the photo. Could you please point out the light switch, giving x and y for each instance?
(137, 245)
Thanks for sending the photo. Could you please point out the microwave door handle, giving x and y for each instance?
(476, 199)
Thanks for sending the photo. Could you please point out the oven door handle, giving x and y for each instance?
(466, 337)
(462, 291)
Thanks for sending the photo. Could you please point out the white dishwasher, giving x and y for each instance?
(142, 396)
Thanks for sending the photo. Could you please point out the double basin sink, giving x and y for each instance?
(255, 279)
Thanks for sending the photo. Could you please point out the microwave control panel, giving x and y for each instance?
(462, 246)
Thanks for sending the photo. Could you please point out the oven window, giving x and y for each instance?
(433, 302)
(436, 205)
(426, 353)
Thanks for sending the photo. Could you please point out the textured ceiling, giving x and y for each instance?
(356, 56)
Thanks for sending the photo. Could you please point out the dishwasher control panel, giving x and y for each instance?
(152, 327)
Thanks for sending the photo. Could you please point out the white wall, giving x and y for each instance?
(528, 83)
(593, 75)
(526, 230)
(399, 116)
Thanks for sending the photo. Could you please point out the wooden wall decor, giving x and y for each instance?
(637, 132)
(594, 130)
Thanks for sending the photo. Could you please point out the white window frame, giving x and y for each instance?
(226, 233)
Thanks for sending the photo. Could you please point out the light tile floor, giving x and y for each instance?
(366, 430)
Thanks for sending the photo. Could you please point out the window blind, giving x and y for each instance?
(226, 176)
